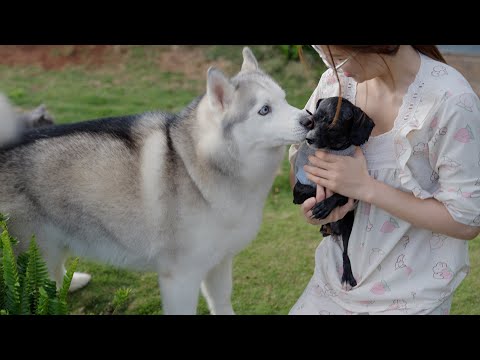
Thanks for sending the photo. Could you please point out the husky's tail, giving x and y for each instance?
(10, 128)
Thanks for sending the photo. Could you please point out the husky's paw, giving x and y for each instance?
(79, 280)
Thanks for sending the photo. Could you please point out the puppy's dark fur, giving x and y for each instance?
(353, 127)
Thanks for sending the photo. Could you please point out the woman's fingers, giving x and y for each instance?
(320, 193)
(312, 170)
(307, 211)
(328, 193)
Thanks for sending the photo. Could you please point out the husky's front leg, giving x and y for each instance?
(179, 293)
(217, 288)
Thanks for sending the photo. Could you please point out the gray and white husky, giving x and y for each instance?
(178, 194)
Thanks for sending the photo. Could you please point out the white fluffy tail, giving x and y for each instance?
(9, 126)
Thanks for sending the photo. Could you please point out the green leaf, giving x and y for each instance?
(2, 285)
(22, 263)
(37, 273)
(10, 274)
(25, 286)
(59, 307)
(67, 279)
(42, 308)
(120, 299)
(51, 288)
(24, 308)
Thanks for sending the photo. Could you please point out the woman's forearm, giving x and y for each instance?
(429, 214)
(291, 177)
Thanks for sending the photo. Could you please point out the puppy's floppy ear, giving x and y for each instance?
(362, 127)
(318, 103)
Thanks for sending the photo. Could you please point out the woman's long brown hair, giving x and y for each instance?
(428, 50)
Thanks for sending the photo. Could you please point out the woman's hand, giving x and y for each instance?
(337, 213)
(345, 175)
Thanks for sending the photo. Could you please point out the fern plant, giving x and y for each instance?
(25, 287)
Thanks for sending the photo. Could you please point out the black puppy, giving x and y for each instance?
(353, 127)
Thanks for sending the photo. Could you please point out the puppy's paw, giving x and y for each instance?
(346, 286)
(348, 281)
(321, 210)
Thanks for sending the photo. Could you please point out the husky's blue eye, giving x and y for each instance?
(264, 110)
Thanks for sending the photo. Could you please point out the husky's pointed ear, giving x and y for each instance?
(249, 61)
(362, 127)
(41, 108)
(219, 89)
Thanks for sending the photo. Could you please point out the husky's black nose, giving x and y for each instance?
(307, 122)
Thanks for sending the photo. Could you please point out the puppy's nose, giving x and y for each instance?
(307, 122)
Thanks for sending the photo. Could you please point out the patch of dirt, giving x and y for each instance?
(190, 61)
(54, 57)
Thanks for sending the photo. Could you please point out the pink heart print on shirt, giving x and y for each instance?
(380, 288)
(464, 135)
(389, 226)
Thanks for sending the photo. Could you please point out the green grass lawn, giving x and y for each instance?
(271, 273)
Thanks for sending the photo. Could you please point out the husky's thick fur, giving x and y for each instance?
(179, 194)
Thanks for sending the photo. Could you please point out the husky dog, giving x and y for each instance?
(179, 194)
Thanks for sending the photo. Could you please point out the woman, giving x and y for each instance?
(417, 182)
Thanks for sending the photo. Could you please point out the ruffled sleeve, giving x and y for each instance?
(455, 157)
